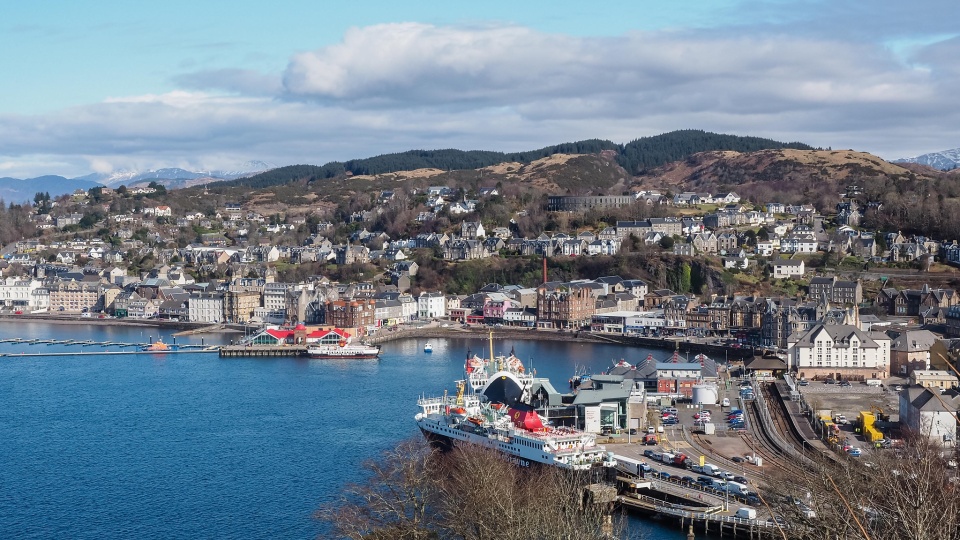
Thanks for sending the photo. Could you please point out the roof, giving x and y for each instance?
(839, 334)
(606, 393)
(914, 341)
(692, 366)
(764, 362)
(924, 399)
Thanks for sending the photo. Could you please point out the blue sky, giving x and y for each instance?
(108, 85)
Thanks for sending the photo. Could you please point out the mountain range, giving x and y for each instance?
(946, 160)
(23, 189)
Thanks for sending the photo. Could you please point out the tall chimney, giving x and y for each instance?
(544, 268)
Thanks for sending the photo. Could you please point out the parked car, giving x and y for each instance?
(803, 382)
(737, 459)
(829, 381)
(845, 383)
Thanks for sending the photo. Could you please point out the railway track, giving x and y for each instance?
(783, 424)
(766, 446)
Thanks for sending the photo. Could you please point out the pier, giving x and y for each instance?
(260, 351)
(690, 505)
(174, 348)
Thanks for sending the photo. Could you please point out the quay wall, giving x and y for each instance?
(716, 352)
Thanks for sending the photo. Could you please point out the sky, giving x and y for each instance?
(107, 86)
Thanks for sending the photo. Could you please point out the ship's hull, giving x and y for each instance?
(446, 443)
(343, 353)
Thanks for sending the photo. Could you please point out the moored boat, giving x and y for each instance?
(158, 346)
(428, 348)
(343, 350)
(500, 416)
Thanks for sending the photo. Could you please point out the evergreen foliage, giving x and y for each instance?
(635, 157)
(649, 152)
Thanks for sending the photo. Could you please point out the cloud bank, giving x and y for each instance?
(399, 86)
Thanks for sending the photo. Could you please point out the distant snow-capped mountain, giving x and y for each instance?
(946, 160)
(176, 177)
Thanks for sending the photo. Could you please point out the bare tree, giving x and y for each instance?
(907, 493)
(470, 493)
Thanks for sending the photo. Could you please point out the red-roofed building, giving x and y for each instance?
(300, 336)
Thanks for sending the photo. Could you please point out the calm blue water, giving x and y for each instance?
(194, 446)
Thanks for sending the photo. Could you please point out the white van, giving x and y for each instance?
(736, 488)
(746, 513)
(711, 469)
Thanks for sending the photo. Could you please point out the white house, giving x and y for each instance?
(784, 268)
(432, 305)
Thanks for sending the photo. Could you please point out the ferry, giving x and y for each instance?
(501, 417)
(344, 351)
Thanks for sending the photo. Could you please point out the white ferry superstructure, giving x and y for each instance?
(501, 418)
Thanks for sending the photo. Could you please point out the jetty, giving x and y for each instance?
(260, 351)
(688, 504)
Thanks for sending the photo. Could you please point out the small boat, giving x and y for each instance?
(158, 346)
(428, 348)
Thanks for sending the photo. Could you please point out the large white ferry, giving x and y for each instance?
(500, 417)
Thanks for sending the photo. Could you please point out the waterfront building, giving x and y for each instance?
(351, 313)
(206, 307)
(18, 293)
(240, 305)
(74, 296)
(432, 305)
(564, 305)
(840, 351)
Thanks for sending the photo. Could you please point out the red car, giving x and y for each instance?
(18, 312)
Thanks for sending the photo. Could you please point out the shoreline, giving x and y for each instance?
(432, 330)
(73, 320)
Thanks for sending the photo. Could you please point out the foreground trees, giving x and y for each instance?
(909, 493)
(470, 493)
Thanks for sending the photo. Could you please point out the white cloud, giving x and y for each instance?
(395, 87)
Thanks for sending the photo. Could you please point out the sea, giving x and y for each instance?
(192, 446)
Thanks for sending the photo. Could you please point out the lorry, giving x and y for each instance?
(682, 460)
(746, 513)
(650, 438)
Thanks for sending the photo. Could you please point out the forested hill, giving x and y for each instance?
(635, 157)
(649, 152)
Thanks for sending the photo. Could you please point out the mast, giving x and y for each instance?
(491, 346)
